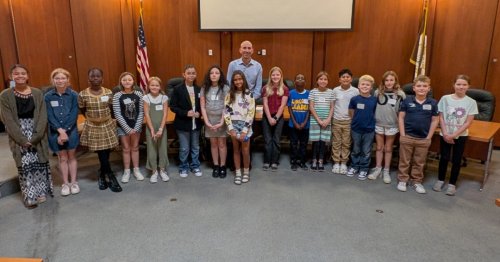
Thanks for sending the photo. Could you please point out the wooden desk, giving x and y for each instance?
(259, 112)
(479, 144)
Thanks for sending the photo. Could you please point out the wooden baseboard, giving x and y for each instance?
(497, 202)
(12, 259)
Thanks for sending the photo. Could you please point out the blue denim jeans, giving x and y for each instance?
(189, 142)
(361, 150)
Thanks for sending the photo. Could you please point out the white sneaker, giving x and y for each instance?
(419, 188)
(451, 190)
(74, 188)
(387, 176)
(438, 186)
(375, 173)
(362, 175)
(197, 172)
(402, 186)
(351, 172)
(126, 176)
(154, 177)
(336, 169)
(183, 174)
(343, 169)
(138, 175)
(164, 175)
(65, 190)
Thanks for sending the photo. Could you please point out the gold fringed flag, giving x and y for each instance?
(142, 56)
(419, 54)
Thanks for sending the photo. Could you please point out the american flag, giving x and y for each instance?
(142, 55)
(419, 53)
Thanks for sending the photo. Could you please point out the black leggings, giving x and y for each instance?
(318, 150)
(456, 159)
(104, 160)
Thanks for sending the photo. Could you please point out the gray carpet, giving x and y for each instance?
(278, 216)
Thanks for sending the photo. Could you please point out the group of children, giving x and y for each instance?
(346, 117)
(359, 117)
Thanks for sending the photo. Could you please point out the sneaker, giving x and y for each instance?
(336, 169)
(138, 175)
(419, 188)
(197, 172)
(387, 176)
(154, 177)
(362, 175)
(164, 175)
(266, 166)
(375, 173)
(74, 188)
(294, 166)
(402, 186)
(343, 169)
(451, 190)
(314, 166)
(65, 190)
(126, 176)
(304, 166)
(438, 186)
(183, 173)
(274, 167)
(351, 172)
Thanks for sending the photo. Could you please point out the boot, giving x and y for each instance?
(101, 181)
(113, 183)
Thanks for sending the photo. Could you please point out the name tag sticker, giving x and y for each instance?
(360, 106)
(127, 101)
(54, 103)
(392, 101)
(427, 107)
(305, 101)
(199, 95)
(322, 99)
(339, 97)
(214, 97)
(104, 98)
(159, 107)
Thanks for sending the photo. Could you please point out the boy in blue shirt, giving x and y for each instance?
(418, 119)
(362, 112)
(298, 107)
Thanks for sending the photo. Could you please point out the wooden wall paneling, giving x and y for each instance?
(97, 27)
(226, 47)
(7, 45)
(45, 38)
(129, 31)
(293, 53)
(194, 45)
(461, 42)
(493, 75)
(319, 49)
(161, 22)
(382, 39)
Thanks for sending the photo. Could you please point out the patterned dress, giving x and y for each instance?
(34, 177)
(99, 129)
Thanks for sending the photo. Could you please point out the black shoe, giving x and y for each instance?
(101, 181)
(222, 172)
(294, 166)
(321, 168)
(314, 166)
(113, 183)
(216, 171)
(304, 166)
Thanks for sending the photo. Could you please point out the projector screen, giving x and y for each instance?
(275, 15)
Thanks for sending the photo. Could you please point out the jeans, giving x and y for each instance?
(272, 135)
(298, 145)
(189, 142)
(361, 150)
(456, 160)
